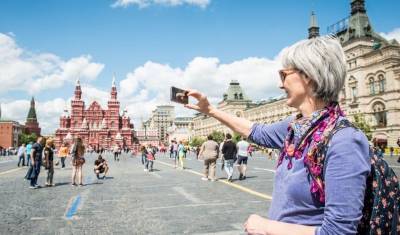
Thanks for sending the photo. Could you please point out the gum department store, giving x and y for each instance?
(372, 86)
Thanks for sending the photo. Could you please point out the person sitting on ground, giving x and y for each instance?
(100, 167)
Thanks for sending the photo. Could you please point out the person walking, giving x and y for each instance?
(63, 154)
(21, 155)
(209, 153)
(36, 161)
(229, 151)
(78, 159)
(150, 157)
(313, 193)
(181, 155)
(48, 162)
(116, 152)
(243, 152)
(28, 149)
(143, 151)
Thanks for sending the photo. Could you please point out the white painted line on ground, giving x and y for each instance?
(38, 218)
(237, 186)
(156, 175)
(394, 166)
(7, 161)
(9, 171)
(265, 169)
(188, 205)
(187, 195)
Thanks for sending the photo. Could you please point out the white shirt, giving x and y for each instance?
(243, 147)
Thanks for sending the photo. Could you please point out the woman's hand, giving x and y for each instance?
(256, 225)
(202, 105)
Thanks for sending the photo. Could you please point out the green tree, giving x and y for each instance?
(236, 137)
(197, 141)
(218, 136)
(26, 138)
(362, 124)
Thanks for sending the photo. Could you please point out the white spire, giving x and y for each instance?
(113, 80)
(77, 83)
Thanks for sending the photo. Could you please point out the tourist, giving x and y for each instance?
(181, 155)
(229, 151)
(36, 161)
(48, 162)
(150, 157)
(243, 152)
(63, 154)
(143, 151)
(77, 154)
(313, 74)
(100, 167)
(209, 153)
(116, 152)
(21, 155)
(28, 153)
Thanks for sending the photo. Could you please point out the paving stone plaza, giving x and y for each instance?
(131, 201)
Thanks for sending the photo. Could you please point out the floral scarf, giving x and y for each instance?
(304, 132)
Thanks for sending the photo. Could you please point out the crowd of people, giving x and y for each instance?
(42, 153)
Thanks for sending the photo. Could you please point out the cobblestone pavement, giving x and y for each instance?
(131, 201)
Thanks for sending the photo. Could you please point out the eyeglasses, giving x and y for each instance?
(283, 73)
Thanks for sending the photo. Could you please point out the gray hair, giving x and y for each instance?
(321, 59)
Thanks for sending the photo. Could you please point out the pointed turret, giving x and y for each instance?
(32, 125)
(78, 91)
(313, 30)
(32, 111)
(113, 89)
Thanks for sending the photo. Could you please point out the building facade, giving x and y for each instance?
(161, 119)
(31, 124)
(372, 87)
(9, 133)
(99, 128)
(181, 129)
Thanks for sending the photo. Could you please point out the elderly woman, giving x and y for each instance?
(313, 74)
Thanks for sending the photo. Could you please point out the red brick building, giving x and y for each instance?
(99, 128)
(9, 133)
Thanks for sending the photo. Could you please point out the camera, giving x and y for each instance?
(179, 95)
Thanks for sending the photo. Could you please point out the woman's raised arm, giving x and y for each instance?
(239, 125)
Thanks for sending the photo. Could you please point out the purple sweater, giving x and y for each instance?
(346, 168)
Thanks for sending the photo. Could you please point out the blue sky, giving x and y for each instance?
(156, 39)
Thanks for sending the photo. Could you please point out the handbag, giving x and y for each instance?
(150, 157)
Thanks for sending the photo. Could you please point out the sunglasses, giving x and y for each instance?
(283, 73)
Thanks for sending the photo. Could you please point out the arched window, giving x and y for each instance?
(371, 84)
(353, 88)
(380, 114)
(241, 96)
(236, 96)
(381, 81)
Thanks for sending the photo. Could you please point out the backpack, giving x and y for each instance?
(380, 214)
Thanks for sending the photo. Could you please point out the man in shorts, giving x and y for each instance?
(242, 150)
(100, 167)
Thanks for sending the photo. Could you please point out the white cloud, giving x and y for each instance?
(149, 85)
(394, 34)
(30, 72)
(146, 3)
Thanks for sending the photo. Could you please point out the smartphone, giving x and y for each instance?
(179, 95)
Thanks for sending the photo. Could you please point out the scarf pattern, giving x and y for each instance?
(311, 132)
